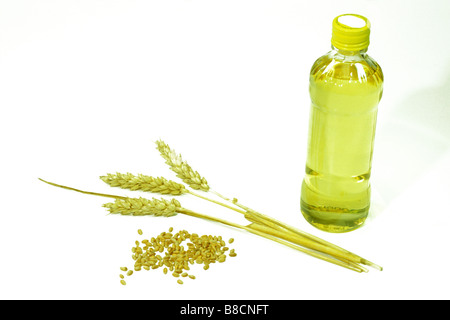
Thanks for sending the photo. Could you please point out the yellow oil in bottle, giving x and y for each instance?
(345, 88)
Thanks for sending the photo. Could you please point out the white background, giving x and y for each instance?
(86, 87)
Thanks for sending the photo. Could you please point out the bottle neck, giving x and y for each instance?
(349, 53)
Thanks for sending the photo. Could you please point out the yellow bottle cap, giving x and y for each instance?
(351, 32)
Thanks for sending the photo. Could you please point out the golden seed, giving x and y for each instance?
(169, 251)
(121, 276)
(123, 282)
(180, 281)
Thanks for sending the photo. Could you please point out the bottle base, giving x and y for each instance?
(332, 219)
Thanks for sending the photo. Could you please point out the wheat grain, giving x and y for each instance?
(142, 206)
(205, 249)
(144, 183)
(181, 168)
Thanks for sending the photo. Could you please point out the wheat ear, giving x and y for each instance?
(143, 207)
(181, 168)
(144, 183)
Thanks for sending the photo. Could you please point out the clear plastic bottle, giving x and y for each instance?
(346, 86)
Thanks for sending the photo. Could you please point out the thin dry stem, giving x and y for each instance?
(215, 201)
(85, 192)
(260, 233)
(308, 244)
(254, 216)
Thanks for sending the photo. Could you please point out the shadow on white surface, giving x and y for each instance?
(409, 142)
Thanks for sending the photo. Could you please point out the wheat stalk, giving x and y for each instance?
(289, 243)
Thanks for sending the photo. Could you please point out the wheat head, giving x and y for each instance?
(143, 207)
(144, 183)
(181, 168)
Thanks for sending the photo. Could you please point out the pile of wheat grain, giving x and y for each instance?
(176, 252)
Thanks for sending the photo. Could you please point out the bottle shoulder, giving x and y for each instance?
(335, 66)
